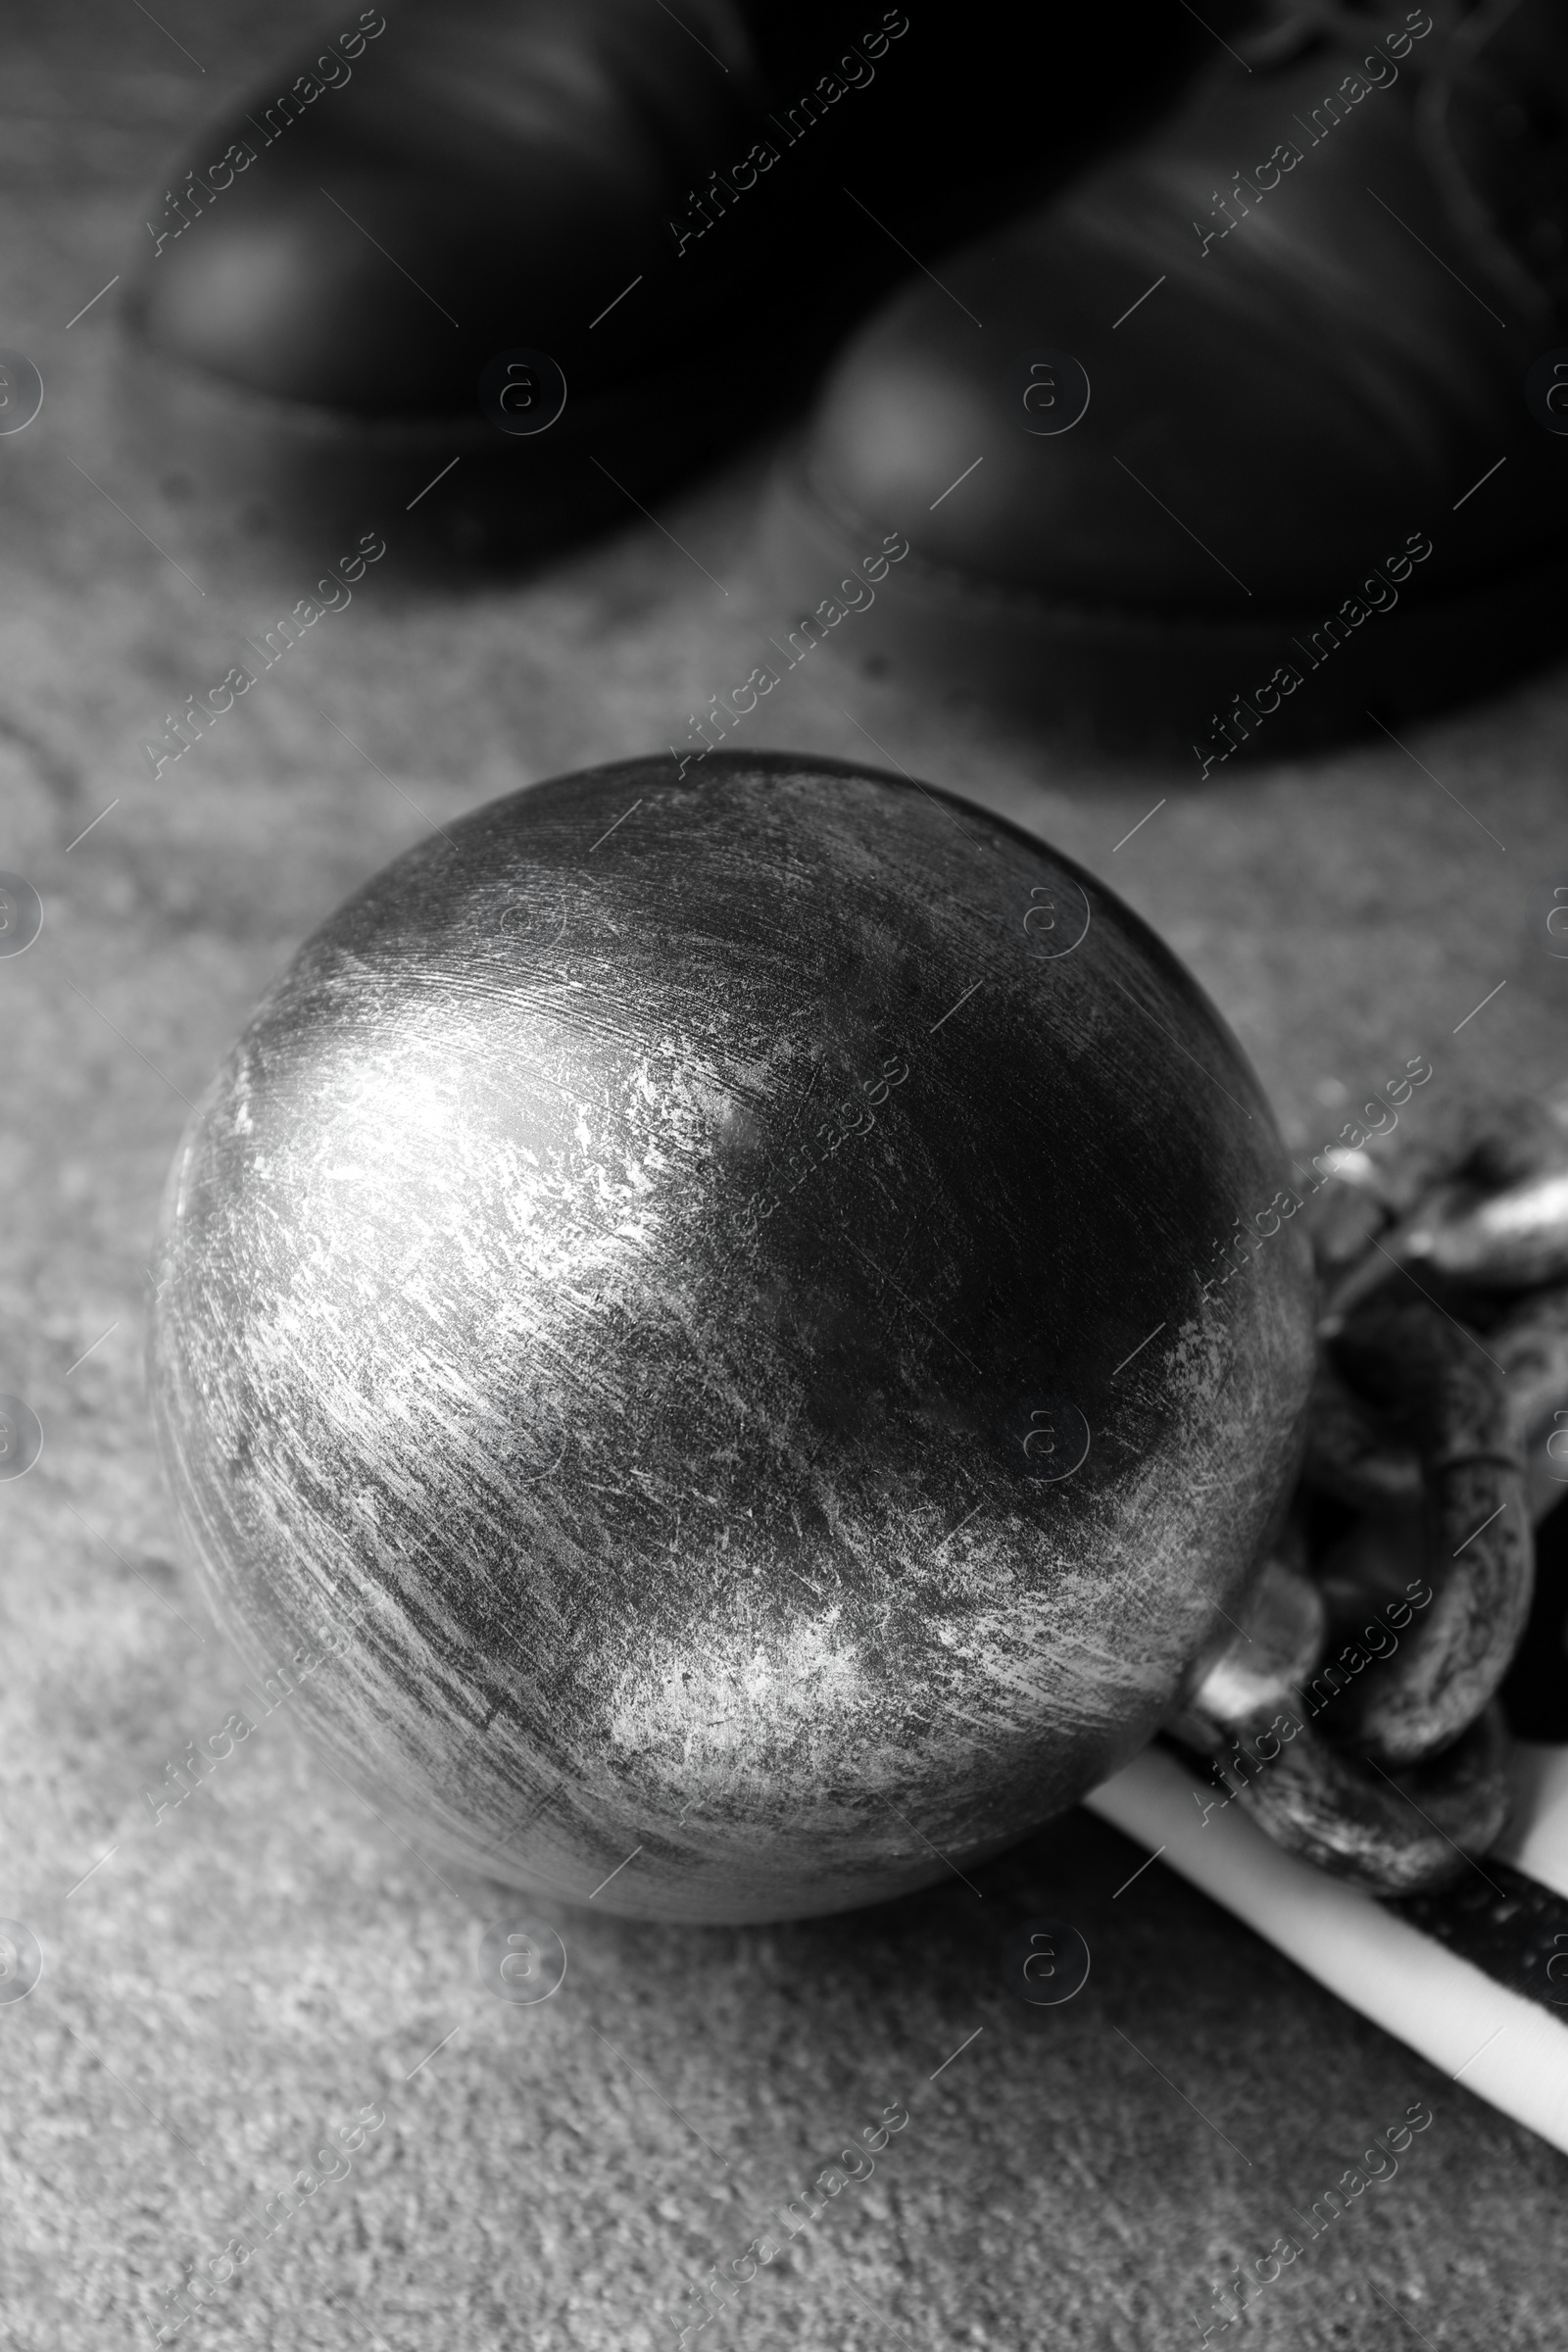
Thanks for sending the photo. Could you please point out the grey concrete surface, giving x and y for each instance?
(229, 1986)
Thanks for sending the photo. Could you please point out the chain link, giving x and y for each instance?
(1355, 1714)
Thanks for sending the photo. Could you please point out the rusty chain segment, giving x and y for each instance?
(1354, 1713)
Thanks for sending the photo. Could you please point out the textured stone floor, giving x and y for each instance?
(227, 1988)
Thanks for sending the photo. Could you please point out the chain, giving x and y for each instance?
(1354, 1713)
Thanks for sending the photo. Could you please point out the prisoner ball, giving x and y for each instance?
(699, 1349)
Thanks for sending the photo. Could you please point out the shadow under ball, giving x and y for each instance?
(682, 1329)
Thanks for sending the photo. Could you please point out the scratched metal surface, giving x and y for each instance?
(247, 1975)
(518, 1290)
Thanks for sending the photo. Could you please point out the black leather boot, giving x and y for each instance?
(649, 222)
(1252, 436)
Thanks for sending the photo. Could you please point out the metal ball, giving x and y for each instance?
(701, 1330)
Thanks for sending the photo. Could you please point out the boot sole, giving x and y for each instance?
(1125, 681)
(246, 472)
